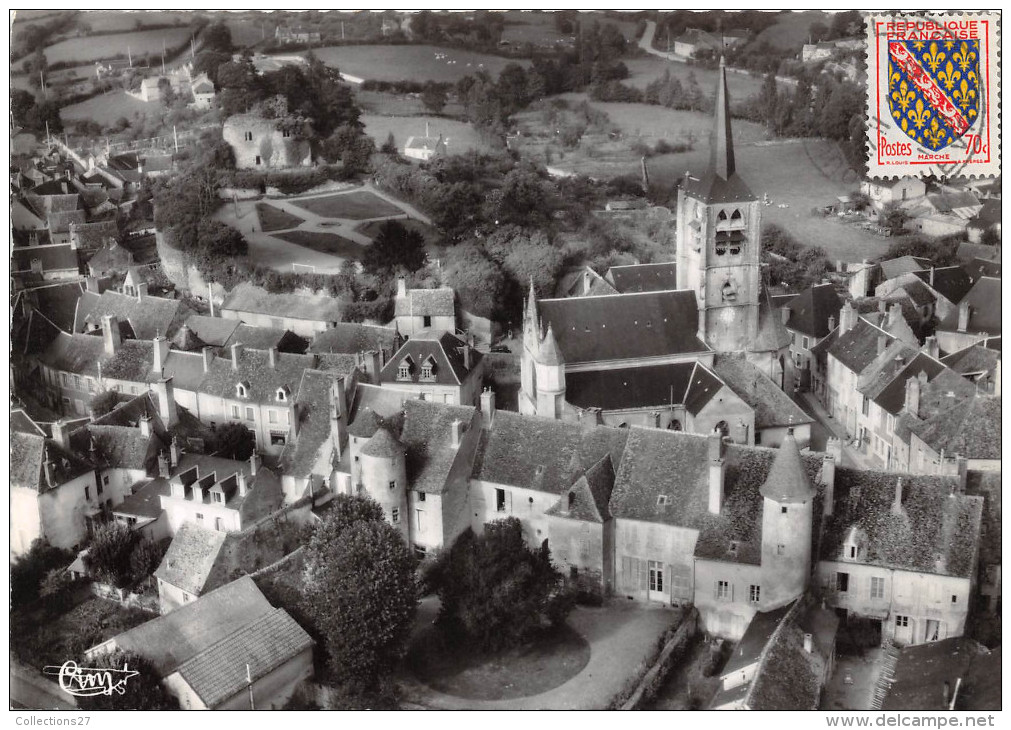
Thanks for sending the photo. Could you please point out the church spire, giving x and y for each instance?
(532, 300)
(722, 153)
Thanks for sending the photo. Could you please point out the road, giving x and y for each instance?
(646, 44)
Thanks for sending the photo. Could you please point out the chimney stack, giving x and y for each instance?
(964, 312)
(456, 433)
(487, 408)
(272, 356)
(110, 334)
(163, 466)
(828, 481)
(50, 468)
(401, 286)
(236, 354)
(145, 426)
(717, 471)
(141, 291)
(466, 357)
(931, 348)
(882, 342)
(167, 409)
(590, 418)
(897, 502)
(161, 353)
(808, 643)
(241, 479)
(831, 322)
(847, 318)
(174, 453)
(60, 434)
(911, 405)
(882, 306)
(254, 463)
(208, 356)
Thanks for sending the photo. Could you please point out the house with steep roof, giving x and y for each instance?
(581, 281)
(980, 267)
(438, 366)
(45, 262)
(424, 309)
(978, 316)
(185, 570)
(203, 92)
(978, 364)
(110, 259)
(962, 432)
(425, 148)
(140, 315)
(303, 314)
(809, 318)
(350, 338)
(773, 412)
(227, 650)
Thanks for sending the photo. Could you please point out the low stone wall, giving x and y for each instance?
(657, 673)
(126, 598)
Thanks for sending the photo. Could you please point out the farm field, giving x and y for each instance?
(791, 30)
(275, 219)
(642, 71)
(248, 31)
(107, 108)
(124, 20)
(384, 104)
(416, 63)
(329, 243)
(355, 206)
(87, 49)
(461, 136)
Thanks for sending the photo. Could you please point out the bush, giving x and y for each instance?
(145, 558)
(109, 554)
(30, 570)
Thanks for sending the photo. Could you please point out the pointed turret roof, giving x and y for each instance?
(549, 352)
(532, 300)
(787, 480)
(720, 183)
(383, 444)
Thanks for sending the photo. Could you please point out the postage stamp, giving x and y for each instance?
(933, 94)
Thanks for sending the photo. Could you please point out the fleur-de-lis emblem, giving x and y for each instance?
(964, 95)
(893, 79)
(935, 135)
(934, 57)
(964, 57)
(919, 114)
(904, 96)
(949, 76)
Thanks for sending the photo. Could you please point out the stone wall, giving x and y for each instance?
(184, 275)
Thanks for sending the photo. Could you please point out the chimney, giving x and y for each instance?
(882, 306)
(208, 356)
(456, 432)
(163, 466)
(91, 284)
(254, 463)
(466, 357)
(828, 481)
(236, 354)
(831, 322)
(167, 409)
(272, 356)
(161, 352)
(946, 691)
(145, 426)
(401, 286)
(963, 472)
(50, 469)
(808, 643)
(590, 418)
(932, 276)
(847, 318)
(784, 312)
(964, 312)
(110, 334)
(931, 348)
(911, 405)
(60, 434)
(174, 453)
(717, 471)
(141, 290)
(241, 479)
(894, 315)
(897, 502)
(487, 408)
(882, 343)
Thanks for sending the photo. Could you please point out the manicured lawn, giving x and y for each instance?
(544, 664)
(92, 48)
(329, 243)
(459, 136)
(275, 219)
(417, 63)
(356, 206)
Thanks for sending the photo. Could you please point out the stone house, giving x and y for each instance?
(260, 143)
(424, 309)
(304, 314)
(437, 366)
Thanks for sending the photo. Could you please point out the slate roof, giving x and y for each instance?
(426, 434)
(110, 258)
(52, 257)
(29, 453)
(857, 348)
(970, 428)
(619, 326)
(372, 406)
(170, 640)
(936, 531)
(426, 302)
(916, 291)
(787, 480)
(93, 235)
(951, 282)
(702, 388)
(124, 447)
(254, 369)
(921, 671)
(146, 501)
(591, 495)
(788, 678)
(644, 277)
(22, 423)
(383, 445)
(351, 337)
(984, 300)
(892, 395)
(554, 452)
(973, 360)
(446, 353)
(771, 405)
(187, 564)
(902, 265)
(247, 297)
(811, 309)
(635, 387)
(148, 317)
(262, 645)
(214, 331)
(313, 401)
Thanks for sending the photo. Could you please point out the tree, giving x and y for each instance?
(30, 570)
(145, 559)
(495, 591)
(941, 252)
(217, 37)
(143, 691)
(395, 247)
(893, 218)
(433, 96)
(817, 31)
(109, 554)
(234, 441)
(216, 239)
(351, 146)
(103, 402)
(389, 146)
(477, 279)
(990, 237)
(360, 592)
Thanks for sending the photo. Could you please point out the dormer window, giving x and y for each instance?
(282, 394)
(242, 389)
(404, 369)
(249, 136)
(428, 369)
(285, 133)
(662, 500)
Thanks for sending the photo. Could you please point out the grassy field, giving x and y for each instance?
(384, 104)
(274, 219)
(329, 243)
(120, 20)
(107, 108)
(644, 70)
(461, 136)
(416, 63)
(791, 30)
(356, 206)
(139, 42)
(371, 229)
(250, 30)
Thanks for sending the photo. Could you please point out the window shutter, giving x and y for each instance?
(643, 576)
(716, 589)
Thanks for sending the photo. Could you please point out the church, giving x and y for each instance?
(707, 354)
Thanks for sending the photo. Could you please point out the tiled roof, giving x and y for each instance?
(760, 629)
(112, 257)
(374, 405)
(60, 222)
(772, 406)
(254, 369)
(124, 447)
(22, 423)
(426, 302)
(148, 316)
(947, 202)
(445, 351)
(313, 400)
(921, 672)
(636, 387)
(426, 434)
(970, 428)
(973, 360)
(29, 453)
(857, 348)
(187, 340)
(702, 388)
(350, 337)
(643, 277)
(146, 501)
(951, 282)
(53, 257)
(811, 309)
(315, 308)
(903, 265)
(620, 326)
(259, 647)
(890, 391)
(187, 564)
(983, 267)
(422, 143)
(788, 677)
(936, 530)
(984, 301)
(263, 338)
(94, 235)
(59, 302)
(917, 292)
(383, 445)
(554, 453)
(176, 637)
(591, 495)
(214, 331)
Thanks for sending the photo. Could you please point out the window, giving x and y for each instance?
(865, 406)
(754, 594)
(805, 343)
(877, 587)
(186, 599)
(661, 500)
(404, 371)
(278, 438)
(87, 493)
(100, 488)
(426, 321)
(258, 160)
(272, 416)
(954, 598)
(249, 414)
(64, 380)
(722, 590)
(655, 576)
(249, 136)
(853, 551)
(500, 500)
(426, 371)
(421, 496)
(91, 385)
(842, 582)
(105, 480)
(77, 382)
(393, 484)
(281, 395)
(395, 514)
(782, 510)
(572, 501)
(901, 621)
(240, 390)
(781, 549)
(285, 133)
(219, 524)
(235, 411)
(200, 517)
(419, 519)
(218, 497)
